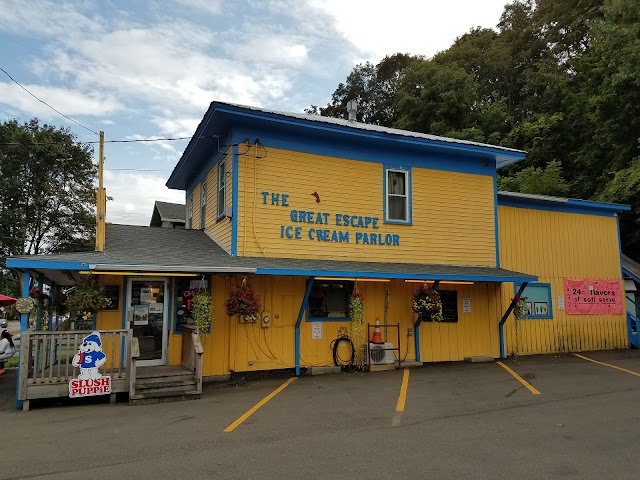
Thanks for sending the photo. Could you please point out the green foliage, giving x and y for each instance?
(201, 311)
(88, 296)
(547, 181)
(357, 328)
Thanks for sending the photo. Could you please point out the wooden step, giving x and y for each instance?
(179, 389)
(163, 398)
(162, 383)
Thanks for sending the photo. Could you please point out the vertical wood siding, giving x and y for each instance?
(233, 344)
(453, 213)
(555, 246)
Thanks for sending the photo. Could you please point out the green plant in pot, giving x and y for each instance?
(201, 312)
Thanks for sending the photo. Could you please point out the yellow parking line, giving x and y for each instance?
(250, 412)
(520, 379)
(608, 365)
(403, 391)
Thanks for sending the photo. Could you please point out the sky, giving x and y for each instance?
(148, 69)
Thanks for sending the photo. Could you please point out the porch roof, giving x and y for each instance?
(132, 248)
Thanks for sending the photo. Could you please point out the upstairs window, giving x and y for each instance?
(397, 201)
(203, 203)
(189, 212)
(222, 177)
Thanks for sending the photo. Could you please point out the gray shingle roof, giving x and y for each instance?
(138, 248)
(171, 212)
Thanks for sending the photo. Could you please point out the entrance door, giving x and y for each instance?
(147, 315)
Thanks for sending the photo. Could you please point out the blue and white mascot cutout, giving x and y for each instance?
(90, 357)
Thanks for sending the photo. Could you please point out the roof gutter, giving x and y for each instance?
(101, 267)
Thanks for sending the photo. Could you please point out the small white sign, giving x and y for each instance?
(156, 307)
(316, 330)
(466, 305)
(560, 302)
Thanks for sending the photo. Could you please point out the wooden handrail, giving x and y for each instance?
(192, 351)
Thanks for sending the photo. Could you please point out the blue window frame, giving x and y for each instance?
(397, 195)
(329, 301)
(539, 300)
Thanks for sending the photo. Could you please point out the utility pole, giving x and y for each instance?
(101, 200)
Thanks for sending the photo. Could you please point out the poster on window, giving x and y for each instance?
(593, 297)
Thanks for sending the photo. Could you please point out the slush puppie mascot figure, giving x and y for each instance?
(90, 357)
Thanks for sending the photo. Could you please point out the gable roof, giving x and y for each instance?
(168, 212)
(222, 117)
(133, 248)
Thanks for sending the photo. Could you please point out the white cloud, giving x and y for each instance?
(379, 27)
(273, 48)
(213, 7)
(69, 101)
(134, 194)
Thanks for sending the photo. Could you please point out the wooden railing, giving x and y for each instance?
(46, 362)
(192, 352)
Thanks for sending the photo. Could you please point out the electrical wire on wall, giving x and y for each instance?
(255, 194)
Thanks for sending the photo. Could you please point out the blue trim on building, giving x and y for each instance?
(495, 219)
(46, 264)
(517, 285)
(234, 201)
(392, 275)
(24, 325)
(303, 308)
(504, 319)
(570, 206)
(328, 129)
(388, 155)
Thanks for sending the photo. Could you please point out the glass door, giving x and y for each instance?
(147, 315)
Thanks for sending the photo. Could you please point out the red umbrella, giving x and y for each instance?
(5, 300)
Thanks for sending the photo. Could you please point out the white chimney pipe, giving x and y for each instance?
(352, 109)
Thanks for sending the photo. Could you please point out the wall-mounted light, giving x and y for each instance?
(443, 282)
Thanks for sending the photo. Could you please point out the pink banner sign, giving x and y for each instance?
(593, 297)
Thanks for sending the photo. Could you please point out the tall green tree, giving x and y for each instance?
(373, 87)
(47, 192)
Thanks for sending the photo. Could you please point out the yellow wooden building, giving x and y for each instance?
(305, 210)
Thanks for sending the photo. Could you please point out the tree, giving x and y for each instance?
(47, 192)
(547, 181)
(373, 86)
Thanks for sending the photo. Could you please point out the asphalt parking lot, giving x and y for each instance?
(456, 420)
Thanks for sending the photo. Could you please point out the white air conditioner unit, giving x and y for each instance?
(380, 355)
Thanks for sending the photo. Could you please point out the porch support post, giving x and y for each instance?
(24, 317)
(506, 315)
(38, 312)
(24, 324)
(54, 290)
(303, 308)
(416, 328)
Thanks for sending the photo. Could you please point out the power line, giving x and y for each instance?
(118, 141)
(42, 101)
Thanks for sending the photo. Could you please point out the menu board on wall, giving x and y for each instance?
(593, 297)
(449, 300)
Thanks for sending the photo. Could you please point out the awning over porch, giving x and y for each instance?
(135, 249)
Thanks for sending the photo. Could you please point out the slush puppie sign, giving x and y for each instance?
(89, 358)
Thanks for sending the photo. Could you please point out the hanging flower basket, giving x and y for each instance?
(88, 296)
(520, 309)
(244, 303)
(201, 312)
(427, 304)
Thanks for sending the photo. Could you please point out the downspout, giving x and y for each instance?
(416, 327)
(303, 308)
(506, 315)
